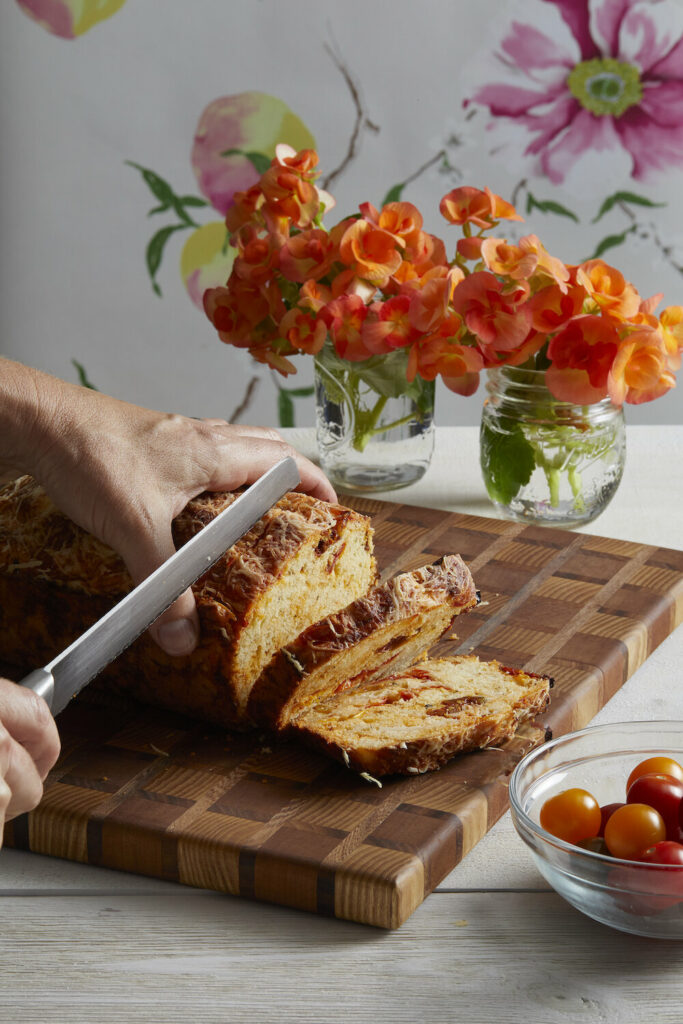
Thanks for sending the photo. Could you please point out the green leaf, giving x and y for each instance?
(548, 206)
(507, 462)
(192, 201)
(259, 161)
(611, 241)
(394, 194)
(285, 405)
(155, 251)
(162, 191)
(386, 374)
(285, 409)
(623, 197)
(82, 375)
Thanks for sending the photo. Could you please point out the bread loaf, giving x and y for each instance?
(384, 631)
(416, 720)
(304, 559)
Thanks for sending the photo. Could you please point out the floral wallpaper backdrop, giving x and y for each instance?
(126, 135)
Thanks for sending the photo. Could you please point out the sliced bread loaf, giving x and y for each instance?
(384, 631)
(415, 720)
(304, 559)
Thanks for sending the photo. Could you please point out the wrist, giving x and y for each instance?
(28, 406)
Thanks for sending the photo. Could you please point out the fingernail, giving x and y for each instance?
(177, 637)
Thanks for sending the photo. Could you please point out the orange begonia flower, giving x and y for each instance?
(581, 358)
(468, 205)
(500, 320)
(469, 248)
(256, 261)
(370, 252)
(314, 296)
(263, 352)
(429, 302)
(441, 353)
(235, 311)
(308, 255)
(546, 265)
(640, 371)
(388, 325)
(551, 307)
(402, 220)
(244, 209)
(304, 332)
(344, 318)
(671, 324)
(511, 260)
(608, 289)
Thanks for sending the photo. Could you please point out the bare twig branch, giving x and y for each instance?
(246, 401)
(362, 120)
(441, 155)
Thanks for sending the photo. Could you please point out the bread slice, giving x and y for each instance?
(304, 559)
(416, 720)
(384, 631)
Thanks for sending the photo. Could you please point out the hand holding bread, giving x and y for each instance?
(124, 473)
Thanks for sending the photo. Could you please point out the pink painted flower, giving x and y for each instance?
(606, 76)
(69, 18)
(230, 128)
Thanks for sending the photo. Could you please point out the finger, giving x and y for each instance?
(20, 775)
(243, 463)
(176, 631)
(27, 719)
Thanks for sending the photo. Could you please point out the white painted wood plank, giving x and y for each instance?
(199, 957)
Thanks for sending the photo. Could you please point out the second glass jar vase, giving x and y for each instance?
(375, 429)
(544, 460)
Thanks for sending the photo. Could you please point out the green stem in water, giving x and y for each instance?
(553, 477)
(366, 424)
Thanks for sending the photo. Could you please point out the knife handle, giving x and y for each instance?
(41, 682)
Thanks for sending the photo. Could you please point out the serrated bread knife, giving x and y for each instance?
(70, 671)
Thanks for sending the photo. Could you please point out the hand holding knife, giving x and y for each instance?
(66, 675)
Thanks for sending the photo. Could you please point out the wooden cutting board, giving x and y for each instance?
(145, 791)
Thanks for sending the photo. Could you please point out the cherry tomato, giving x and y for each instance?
(656, 766)
(664, 793)
(665, 852)
(596, 844)
(606, 812)
(571, 815)
(633, 829)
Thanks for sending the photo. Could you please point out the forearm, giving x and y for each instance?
(29, 401)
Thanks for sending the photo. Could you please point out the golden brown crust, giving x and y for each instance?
(67, 579)
(446, 585)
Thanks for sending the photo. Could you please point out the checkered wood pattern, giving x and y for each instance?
(145, 791)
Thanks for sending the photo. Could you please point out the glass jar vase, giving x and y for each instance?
(375, 429)
(544, 460)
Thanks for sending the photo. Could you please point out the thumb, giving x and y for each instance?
(177, 629)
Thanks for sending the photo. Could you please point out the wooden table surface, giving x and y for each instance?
(82, 944)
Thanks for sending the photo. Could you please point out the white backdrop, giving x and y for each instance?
(73, 215)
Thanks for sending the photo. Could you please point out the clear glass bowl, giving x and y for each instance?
(645, 899)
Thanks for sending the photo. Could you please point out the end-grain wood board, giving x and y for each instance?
(145, 791)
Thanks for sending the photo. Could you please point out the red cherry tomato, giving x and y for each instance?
(633, 829)
(656, 766)
(571, 815)
(664, 793)
(606, 812)
(665, 852)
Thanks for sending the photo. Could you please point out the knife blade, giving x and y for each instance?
(66, 675)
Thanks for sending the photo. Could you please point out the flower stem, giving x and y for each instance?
(366, 424)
